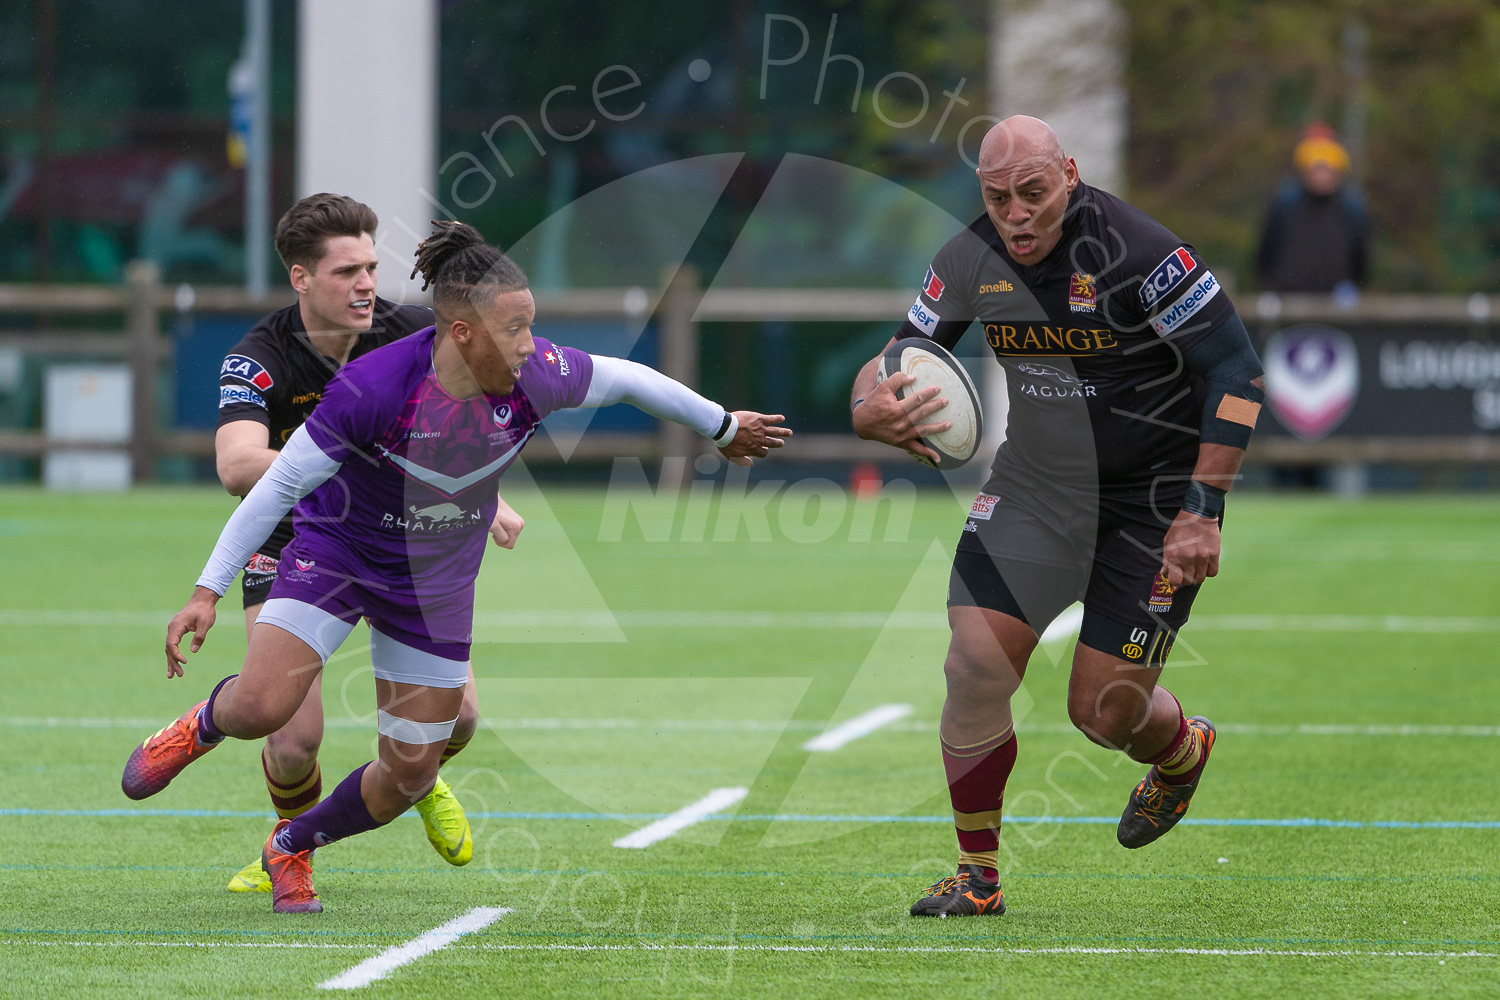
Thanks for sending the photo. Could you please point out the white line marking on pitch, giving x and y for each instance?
(381, 965)
(860, 725)
(714, 801)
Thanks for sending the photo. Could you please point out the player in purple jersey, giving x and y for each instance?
(397, 472)
(268, 385)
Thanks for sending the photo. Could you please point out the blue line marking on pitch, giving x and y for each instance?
(1304, 822)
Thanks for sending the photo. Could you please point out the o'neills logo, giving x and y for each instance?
(999, 286)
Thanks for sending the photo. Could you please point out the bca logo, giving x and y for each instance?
(246, 370)
(1178, 265)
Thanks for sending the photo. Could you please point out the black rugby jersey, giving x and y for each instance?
(1091, 339)
(275, 376)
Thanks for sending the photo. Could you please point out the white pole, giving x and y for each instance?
(258, 162)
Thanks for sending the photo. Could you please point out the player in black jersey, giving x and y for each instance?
(1133, 390)
(268, 386)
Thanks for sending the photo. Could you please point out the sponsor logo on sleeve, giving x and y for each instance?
(555, 356)
(1195, 298)
(229, 394)
(246, 370)
(922, 318)
(933, 286)
(1083, 295)
(1167, 276)
(260, 565)
(984, 507)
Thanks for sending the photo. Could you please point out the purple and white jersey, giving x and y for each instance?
(409, 509)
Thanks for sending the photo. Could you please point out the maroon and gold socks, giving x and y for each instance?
(976, 784)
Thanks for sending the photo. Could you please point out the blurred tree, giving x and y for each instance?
(1220, 91)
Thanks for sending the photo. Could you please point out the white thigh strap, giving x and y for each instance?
(407, 731)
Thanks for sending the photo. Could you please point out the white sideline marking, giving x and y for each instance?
(861, 725)
(1065, 625)
(715, 801)
(381, 965)
(859, 620)
(817, 949)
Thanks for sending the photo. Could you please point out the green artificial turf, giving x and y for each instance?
(1346, 654)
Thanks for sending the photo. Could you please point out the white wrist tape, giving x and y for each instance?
(729, 432)
(418, 733)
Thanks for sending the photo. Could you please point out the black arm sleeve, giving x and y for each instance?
(1226, 361)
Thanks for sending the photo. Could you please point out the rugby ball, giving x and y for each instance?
(931, 364)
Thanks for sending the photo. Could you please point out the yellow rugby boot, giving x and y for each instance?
(447, 826)
(251, 878)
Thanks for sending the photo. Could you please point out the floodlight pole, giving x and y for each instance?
(257, 57)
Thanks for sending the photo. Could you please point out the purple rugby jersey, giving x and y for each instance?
(398, 533)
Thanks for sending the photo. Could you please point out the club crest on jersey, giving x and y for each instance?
(246, 370)
(1083, 295)
(933, 286)
(305, 564)
(502, 415)
(1167, 276)
(1161, 595)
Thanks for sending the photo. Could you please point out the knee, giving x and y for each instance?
(254, 717)
(468, 719)
(1111, 716)
(290, 752)
(409, 780)
(983, 674)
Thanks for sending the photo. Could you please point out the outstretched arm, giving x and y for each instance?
(300, 468)
(741, 435)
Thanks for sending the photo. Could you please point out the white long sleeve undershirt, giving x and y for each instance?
(300, 468)
(619, 381)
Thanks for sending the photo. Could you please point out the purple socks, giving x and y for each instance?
(340, 815)
(208, 733)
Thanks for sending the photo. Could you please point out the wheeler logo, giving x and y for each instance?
(246, 370)
(1195, 298)
(231, 394)
(1312, 379)
(502, 415)
(932, 286)
(922, 318)
(1178, 265)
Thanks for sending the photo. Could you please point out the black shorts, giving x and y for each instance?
(1029, 551)
(260, 573)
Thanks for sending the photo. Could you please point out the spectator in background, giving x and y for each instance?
(1315, 235)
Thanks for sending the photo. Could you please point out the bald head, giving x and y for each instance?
(1020, 143)
(1026, 179)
